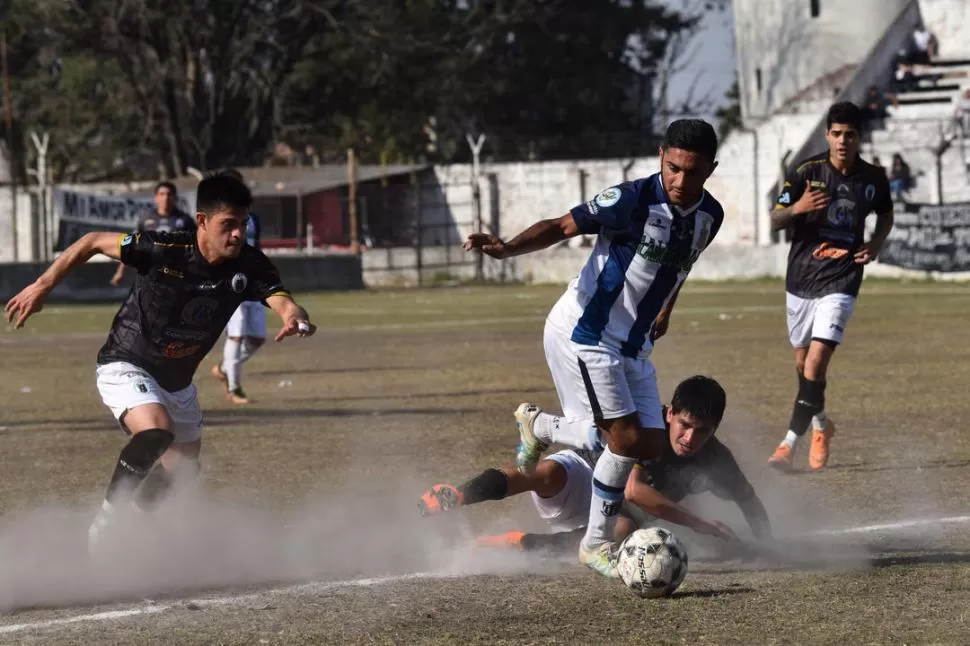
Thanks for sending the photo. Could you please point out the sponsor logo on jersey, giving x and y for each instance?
(178, 350)
(199, 311)
(816, 184)
(825, 251)
(841, 213)
(608, 198)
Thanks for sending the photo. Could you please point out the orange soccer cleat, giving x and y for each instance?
(781, 459)
(508, 540)
(439, 499)
(818, 455)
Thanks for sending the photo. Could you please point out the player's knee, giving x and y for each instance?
(145, 448)
(550, 478)
(622, 435)
(254, 342)
(146, 416)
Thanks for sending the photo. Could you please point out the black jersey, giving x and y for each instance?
(174, 221)
(179, 304)
(820, 260)
(712, 469)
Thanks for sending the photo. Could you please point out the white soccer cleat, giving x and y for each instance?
(601, 559)
(530, 448)
(98, 530)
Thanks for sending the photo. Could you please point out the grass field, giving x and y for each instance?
(304, 523)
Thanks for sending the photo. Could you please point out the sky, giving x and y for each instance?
(713, 64)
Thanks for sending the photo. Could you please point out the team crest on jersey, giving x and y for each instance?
(870, 192)
(239, 282)
(842, 213)
(608, 198)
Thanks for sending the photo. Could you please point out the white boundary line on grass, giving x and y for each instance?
(902, 524)
(204, 602)
(321, 586)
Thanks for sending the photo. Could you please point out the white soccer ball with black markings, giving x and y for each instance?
(652, 562)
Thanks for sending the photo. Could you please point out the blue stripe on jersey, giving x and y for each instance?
(648, 308)
(609, 286)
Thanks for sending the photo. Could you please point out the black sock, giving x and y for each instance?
(136, 460)
(153, 488)
(810, 401)
(491, 484)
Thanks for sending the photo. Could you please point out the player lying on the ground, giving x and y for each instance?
(693, 462)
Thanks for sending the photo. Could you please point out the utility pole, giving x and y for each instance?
(352, 199)
(41, 174)
(11, 155)
(476, 146)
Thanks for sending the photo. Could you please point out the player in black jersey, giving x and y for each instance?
(824, 202)
(693, 462)
(187, 287)
(166, 218)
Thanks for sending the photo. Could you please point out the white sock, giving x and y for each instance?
(609, 480)
(577, 433)
(819, 419)
(231, 363)
(791, 439)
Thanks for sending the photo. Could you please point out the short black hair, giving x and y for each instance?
(701, 397)
(232, 172)
(846, 113)
(221, 191)
(694, 135)
(169, 185)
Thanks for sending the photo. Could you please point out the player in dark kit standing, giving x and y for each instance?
(188, 285)
(824, 202)
(166, 218)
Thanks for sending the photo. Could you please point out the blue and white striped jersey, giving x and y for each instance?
(253, 231)
(644, 250)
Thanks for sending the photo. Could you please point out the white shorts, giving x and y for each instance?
(568, 509)
(822, 318)
(249, 319)
(124, 386)
(598, 383)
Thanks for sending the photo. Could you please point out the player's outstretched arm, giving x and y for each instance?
(540, 235)
(645, 496)
(295, 319)
(31, 299)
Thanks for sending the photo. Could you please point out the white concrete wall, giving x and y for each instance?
(27, 227)
(396, 267)
(793, 50)
(950, 21)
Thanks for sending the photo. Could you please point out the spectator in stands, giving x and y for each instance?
(874, 109)
(962, 115)
(903, 79)
(900, 177)
(924, 47)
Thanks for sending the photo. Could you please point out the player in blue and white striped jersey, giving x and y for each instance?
(599, 336)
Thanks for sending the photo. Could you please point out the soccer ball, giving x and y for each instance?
(652, 562)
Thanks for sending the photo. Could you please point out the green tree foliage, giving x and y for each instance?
(148, 88)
